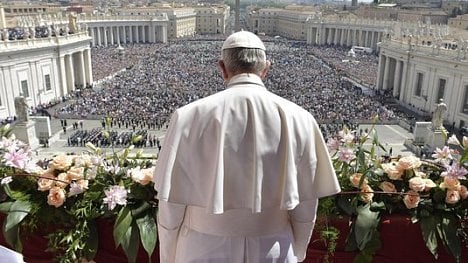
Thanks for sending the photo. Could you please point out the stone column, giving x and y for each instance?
(137, 31)
(88, 66)
(70, 73)
(152, 33)
(342, 36)
(62, 75)
(125, 34)
(106, 36)
(386, 70)
(366, 41)
(81, 69)
(396, 80)
(373, 42)
(348, 37)
(111, 33)
(380, 71)
(403, 80)
(131, 33)
(118, 35)
(99, 40)
(143, 34)
(164, 33)
(354, 42)
(361, 33)
(92, 33)
(335, 38)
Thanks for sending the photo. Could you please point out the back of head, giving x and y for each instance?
(244, 52)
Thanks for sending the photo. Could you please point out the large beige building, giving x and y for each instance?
(43, 69)
(181, 21)
(460, 22)
(394, 13)
(418, 71)
(212, 19)
(185, 21)
(290, 22)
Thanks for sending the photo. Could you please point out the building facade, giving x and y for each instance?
(212, 19)
(418, 74)
(124, 29)
(43, 69)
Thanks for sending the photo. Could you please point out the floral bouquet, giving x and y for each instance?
(432, 191)
(70, 192)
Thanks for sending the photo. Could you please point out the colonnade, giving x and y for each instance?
(391, 75)
(75, 70)
(105, 34)
(344, 36)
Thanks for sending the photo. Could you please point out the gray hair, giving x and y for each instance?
(244, 60)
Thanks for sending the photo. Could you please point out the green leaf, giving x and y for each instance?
(464, 157)
(5, 207)
(18, 211)
(148, 232)
(344, 202)
(351, 244)
(130, 243)
(366, 224)
(429, 231)
(448, 234)
(92, 241)
(12, 237)
(122, 224)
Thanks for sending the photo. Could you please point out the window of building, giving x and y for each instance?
(24, 88)
(465, 101)
(441, 90)
(419, 83)
(47, 82)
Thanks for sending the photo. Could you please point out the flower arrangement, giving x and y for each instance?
(70, 192)
(432, 192)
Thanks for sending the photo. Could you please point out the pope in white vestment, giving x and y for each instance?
(240, 172)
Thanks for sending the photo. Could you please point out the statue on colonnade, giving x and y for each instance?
(438, 115)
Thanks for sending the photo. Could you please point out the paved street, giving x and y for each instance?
(58, 142)
(390, 135)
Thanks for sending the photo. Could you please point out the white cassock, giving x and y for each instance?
(239, 176)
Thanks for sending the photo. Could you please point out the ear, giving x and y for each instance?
(264, 72)
(223, 69)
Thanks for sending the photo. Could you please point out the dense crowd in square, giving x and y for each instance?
(155, 79)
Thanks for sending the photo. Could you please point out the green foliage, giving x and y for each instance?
(69, 198)
(374, 184)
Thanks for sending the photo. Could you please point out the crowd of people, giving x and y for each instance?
(115, 138)
(362, 66)
(156, 79)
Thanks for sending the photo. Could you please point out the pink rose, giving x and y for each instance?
(61, 162)
(409, 162)
(463, 192)
(356, 178)
(429, 184)
(388, 187)
(411, 199)
(45, 184)
(367, 193)
(62, 180)
(452, 197)
(450, 183)
(75, 173)
(141, 176)
(392, 171)
(56, 196)
(417, 184)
